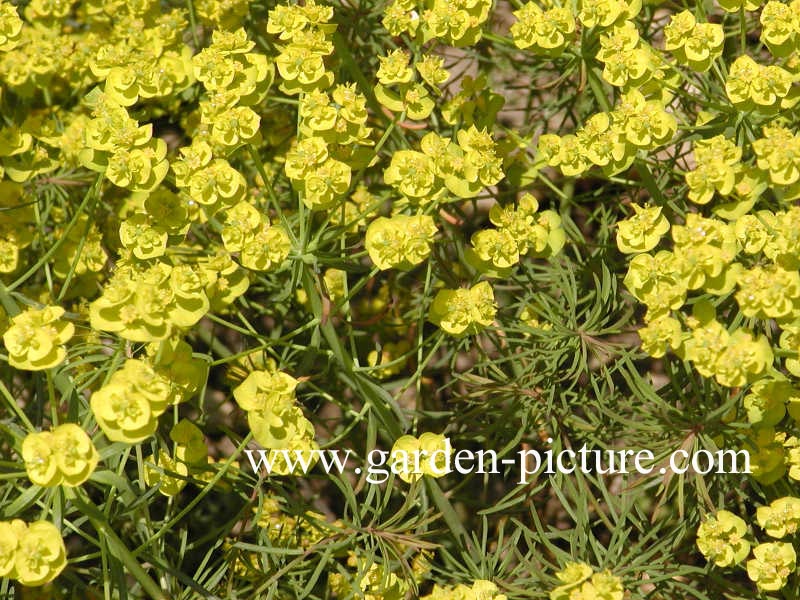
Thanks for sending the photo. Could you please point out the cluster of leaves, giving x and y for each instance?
(389, 226)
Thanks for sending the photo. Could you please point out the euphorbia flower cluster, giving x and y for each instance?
(36, 338)
(276, 421)
(63, 456)
(128, 406)
(31, 553)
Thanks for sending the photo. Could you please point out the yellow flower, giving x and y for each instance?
(40, 554)
(645, 122)
(190, 443)
(778, 153)
(145, 240)
(456, 22)
(147, 303)
(548, 32)
(38, 452)
(781, 517)
(696, 44)
(464, 311)
(751, 233)
(431, 69)
(335, 281)
(128, 406)
(751, 85)
(235, 126)
(718, 165)
(9, 541)
(766, 402)
(389, 353)
(300, 448)
(218, 182)
(779, 27)
(306, 154)
(411, 173)
(656, 281)
(277, 423)
(394, 68)
(435, 450)
(573, 575)
(481, 589)
(768, 292)
(10, 27)
(660, 334)
(741, 73)
(401, 241)
(286, 20)
(564, 152)
(721, 539)
(262, 245)
(324, 184)
(772, 565)
(159, 474)
(705, 345)
(486, 590)
(497, 246)
(75, 454)
(266, 249)
(264, 389)
(398, 20)
(744, 359)
(36, 338)
(411, 457)
(768, 454)
(606, 13)
(642, 231)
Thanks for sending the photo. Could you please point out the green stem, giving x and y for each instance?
(742, 30)
(8, 302)
(167, 527)
(270, 191)
(60, 241)
(193, 24)
(116, 546)
(79, 251)
(12, 404)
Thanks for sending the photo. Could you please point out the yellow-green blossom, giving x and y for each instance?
(772, 565)
(36, 338)
(464, 311)
(780, 518)
(721, 539)
(642, 231)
